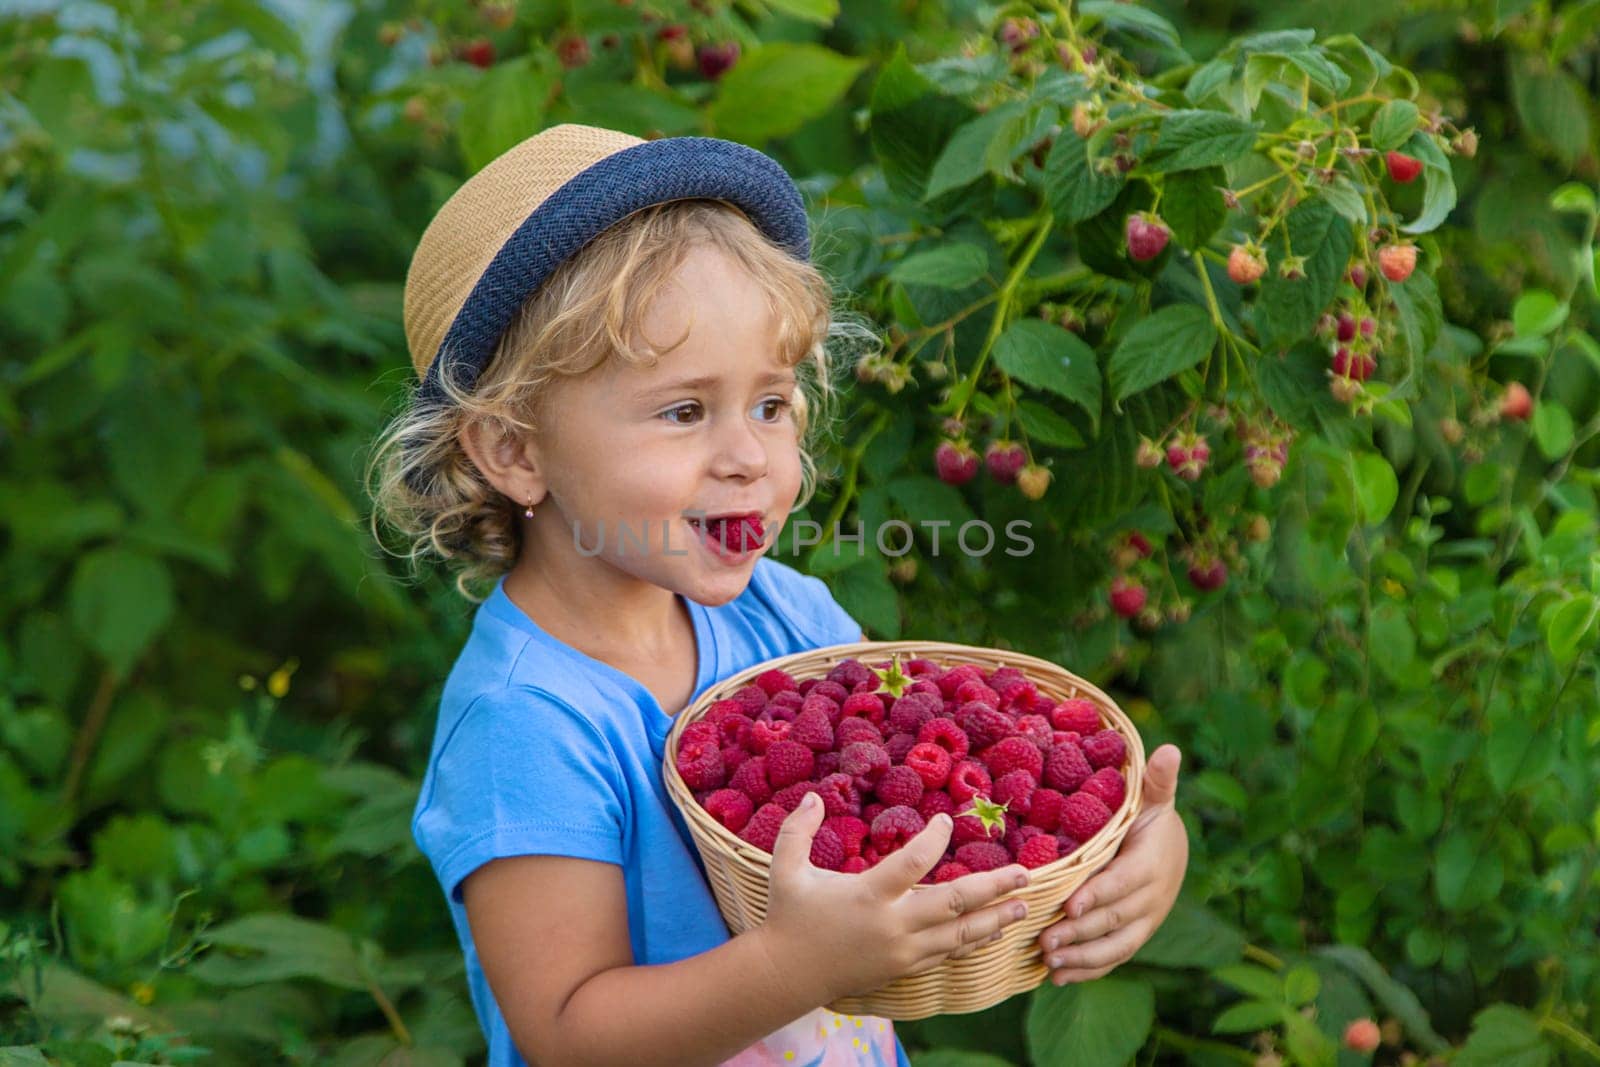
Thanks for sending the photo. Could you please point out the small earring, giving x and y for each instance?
(529, 513)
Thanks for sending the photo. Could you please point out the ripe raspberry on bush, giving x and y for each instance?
(955, 462)
(1127, 596)
(1146, 235)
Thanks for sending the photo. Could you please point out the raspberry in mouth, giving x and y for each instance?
(735, 533)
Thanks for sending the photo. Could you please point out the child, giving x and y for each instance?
(617, 341)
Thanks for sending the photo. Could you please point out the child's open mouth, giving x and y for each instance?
(732, 536)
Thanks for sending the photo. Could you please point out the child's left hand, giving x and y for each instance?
(1117, 910)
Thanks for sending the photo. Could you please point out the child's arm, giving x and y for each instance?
(551, 934)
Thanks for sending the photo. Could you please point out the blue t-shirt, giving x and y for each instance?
(541, 749)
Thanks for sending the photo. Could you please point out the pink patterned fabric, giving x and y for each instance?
(825, 1039)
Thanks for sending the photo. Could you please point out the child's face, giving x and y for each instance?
(630, 453)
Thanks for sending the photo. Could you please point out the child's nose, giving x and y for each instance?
(740, 451)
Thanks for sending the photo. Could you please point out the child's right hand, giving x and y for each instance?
(835, 935)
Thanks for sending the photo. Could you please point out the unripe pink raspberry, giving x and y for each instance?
(1147, 236)
(955, 462)
(1127, 596)
(1362, 1035)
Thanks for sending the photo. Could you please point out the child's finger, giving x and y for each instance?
(792, 850)
(905, 867)
(964, 895)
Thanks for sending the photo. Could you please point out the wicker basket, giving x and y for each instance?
(739, 871)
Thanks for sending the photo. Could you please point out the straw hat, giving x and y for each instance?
(515, 221)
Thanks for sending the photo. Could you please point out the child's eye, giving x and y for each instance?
(671, 412)
(778, 405)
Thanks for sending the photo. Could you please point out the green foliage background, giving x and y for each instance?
(217, 693)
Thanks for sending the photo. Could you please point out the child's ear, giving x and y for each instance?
(510, 462)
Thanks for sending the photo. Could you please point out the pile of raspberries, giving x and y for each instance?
(1027, 779)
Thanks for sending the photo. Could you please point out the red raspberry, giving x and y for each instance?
(1108, 784)
(839, 795)
(827, 852)
(1044, 808)
(789, 700)
(849, 731)
(1004, 677)
(912, 710)
(1064, 737)
(1352, 363)
(700, 763)
(1083, 814)
(1004, 459)
(952, 679)
(967, 692)
(790, 796)
(1127, 596)
(970, 828)
(955, 462)
(1066, 768)
(1036, 728)
(701, 732)
(1012, 754)
(827, 763)
(762, 829)
(967, 780)
(1068, 844)
(865, 762)
(853, 865)
(824, 706)
(1039, 851)
(900, 786)
(1147, 236)
(731, 808)
(917, 666)
(764, 734)
(949, 872)
(751, 780)
(753, 697)
(849, 673)
(898, 745)
(947, 735)
(827, 687)
(479, 52)
(868, 706)
(1020, 835)
(776, 681)
(871, 812)
(1397, 261)
(894, 827)
(1208, 575)
(734, 757)
(935, 802)
(813, 730)
(1516, 403)
(1017, 697)
(1105, 749)
(982, 856)
(851, 831)
(931, 762)
(1246, 264)
(732, 726)
(984, 724)
(1015, 790)
(1403, 168)
(1362, 1035)
(789, 762)
(1076, 714)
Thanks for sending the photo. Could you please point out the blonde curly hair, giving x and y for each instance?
(425, 487)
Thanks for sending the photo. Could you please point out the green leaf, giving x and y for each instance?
(1251, 980)
(1377, 488)
(1133, 20)
(1247, 1016)
(1568, 625)
(822, 12)
(1044, 356)
(979, 147)
(1393, 124)
(1518, 754)
(1043, 425)
(1102, 1023)
(280, 947)
(1574, 196)
(1550, 105)
(1537, 313)
(1396, 998)
(954, 265)
(1190, 140)
(1394, 643)
(1468, 871)
(1301, 985)
(156, 446)
(1075, 189)
(506, 107)
(777, 88)
(1172, 340)
(911, 124)
(1192, 935)
(864, 590)
(1552, 429)
(1420, 314)
(1192, 205)
(1504, 1035)
(121, 601)
(922, 496)
(1438, 184)
(1287, 310)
